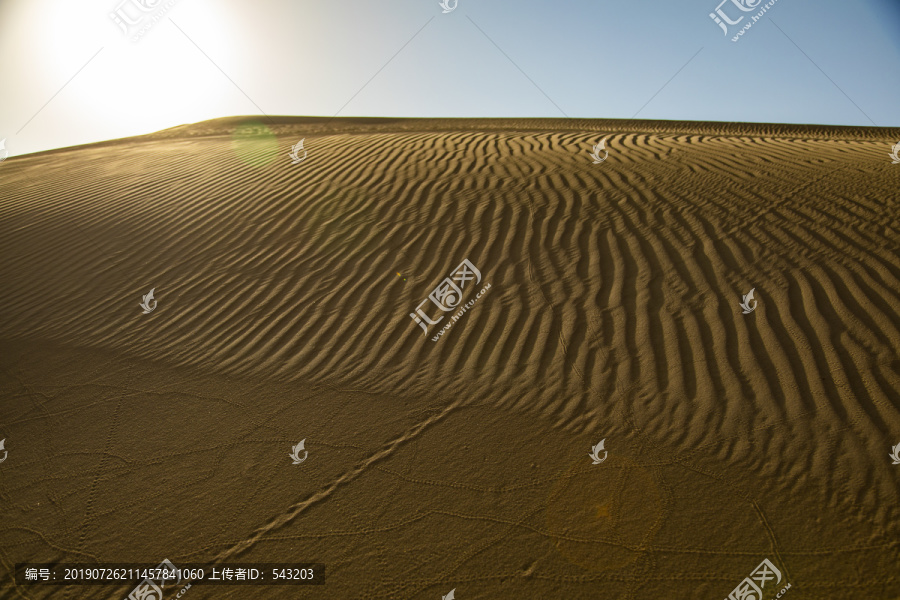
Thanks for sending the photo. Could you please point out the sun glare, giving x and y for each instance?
(153, 79)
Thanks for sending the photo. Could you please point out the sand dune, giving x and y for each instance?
(284, 297)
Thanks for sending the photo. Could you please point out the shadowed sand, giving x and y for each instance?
(284, 293)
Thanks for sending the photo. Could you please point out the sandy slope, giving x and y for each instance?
(613, 313)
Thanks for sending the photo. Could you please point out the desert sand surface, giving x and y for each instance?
(284, 293)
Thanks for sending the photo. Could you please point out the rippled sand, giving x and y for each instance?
(284, 293)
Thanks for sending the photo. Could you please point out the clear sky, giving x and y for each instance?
(69, 75)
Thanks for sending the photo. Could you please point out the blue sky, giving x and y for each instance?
(69, 75)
